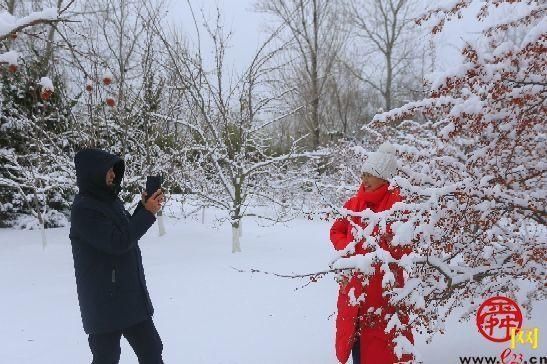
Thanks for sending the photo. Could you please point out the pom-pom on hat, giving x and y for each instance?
(382, 163)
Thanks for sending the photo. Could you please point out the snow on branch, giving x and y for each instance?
(10, 24)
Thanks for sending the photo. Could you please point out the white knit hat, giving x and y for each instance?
(382, 163)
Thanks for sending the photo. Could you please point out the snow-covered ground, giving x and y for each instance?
(206, 312)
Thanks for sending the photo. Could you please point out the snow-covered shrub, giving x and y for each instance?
(473, 172)
(35, 177)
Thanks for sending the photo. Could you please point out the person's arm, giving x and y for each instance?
(396, 251)
(100, 231)
(139, 207)
(339, 231)
(338, 234)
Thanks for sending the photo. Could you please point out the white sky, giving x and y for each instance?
(238, 16)
(248, 30)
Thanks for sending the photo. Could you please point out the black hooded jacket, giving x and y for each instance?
(107, 260)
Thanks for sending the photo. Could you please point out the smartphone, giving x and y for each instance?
(153, 183)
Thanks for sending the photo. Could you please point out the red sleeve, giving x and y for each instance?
(398, 251)
(340, 232)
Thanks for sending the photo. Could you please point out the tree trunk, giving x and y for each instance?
(161, 224)
(11, 6)
(236, 246)
(40, 220)
(389, 81)
(315, 120)
(47, 58)
(315, 81)
(43, 233)
(236, 214)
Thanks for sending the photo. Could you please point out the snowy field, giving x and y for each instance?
(206, 312)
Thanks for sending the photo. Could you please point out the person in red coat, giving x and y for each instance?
(363, 310)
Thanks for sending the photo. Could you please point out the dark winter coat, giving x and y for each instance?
(107, 260)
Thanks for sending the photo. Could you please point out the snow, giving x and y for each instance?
(46, 84)
(206, 312)
(11, 57)
(402, 346)
(8, 23)
(411, 106)
(449, 128)
(404, 233)
(539, 30)
(473, 105)
(48, 14)
(389, 278)
(108, 75)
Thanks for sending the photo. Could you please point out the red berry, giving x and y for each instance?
(107, 80)
(110, 102)
(46, 94)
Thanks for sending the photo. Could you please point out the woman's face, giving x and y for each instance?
(371, 182)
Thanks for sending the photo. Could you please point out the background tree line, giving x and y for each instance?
(126, 82)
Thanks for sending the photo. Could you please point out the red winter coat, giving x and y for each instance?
(355, 320)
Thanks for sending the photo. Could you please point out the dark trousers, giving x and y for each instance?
(143, 338)
(356, 351)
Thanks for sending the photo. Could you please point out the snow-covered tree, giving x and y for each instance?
(472, 174)
(226, 158)
(313, 38)
(387, 48)
(118, 74)
(34, 176)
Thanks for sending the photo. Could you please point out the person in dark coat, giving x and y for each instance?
(110, 279)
